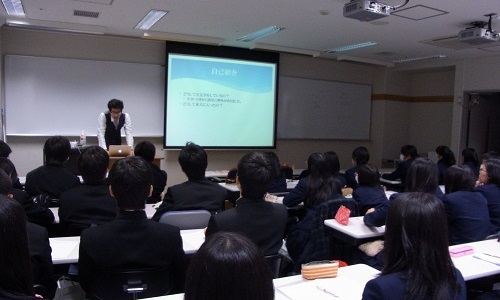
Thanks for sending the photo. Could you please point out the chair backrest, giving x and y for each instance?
(187, 219)
(131, 284)
(274, 262)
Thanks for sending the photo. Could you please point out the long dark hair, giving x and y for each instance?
(416, 242)
(492, 166)
(14, 254)
(321, 185)
(228, 266)
(470, 155)
(422, 176)
(447, 156)
(459, 178)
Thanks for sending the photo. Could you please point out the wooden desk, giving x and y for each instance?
(150, 211)
(356, 232)
(349, 284)
(65, 249)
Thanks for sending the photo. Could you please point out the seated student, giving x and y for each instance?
(16, 281)
(467, 209)
(261, 221)
(417, 264)
(422, 177)
(196, 193)
(52, 178)
(489, 186)
(360, 156)
(147, 151)
(470, 158)
(228, 266)
(37, 214)
(446, 159)
(131, 242)
(38, 244)
(5, 151)
(279, 183)
(408, 154)
(90, 203)
(333, 164)
(369, 193)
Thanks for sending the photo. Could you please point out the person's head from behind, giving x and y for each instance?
(93, 164)
(130, 182)
(255, 174)
(459, 178)
(332, 162)
(422, 176)
(275, 161)
(5, 150)
(5, 184)
(14, 256)
(228, 266)
(445, 155)
(416, 242)
(9, 168)
(368, 175)
(360, 156)
(408, 152)
(145, 150)
(193, 160)
(56, 149)
(490, 154)
(115, 108)
(470, 155)
(489, 173)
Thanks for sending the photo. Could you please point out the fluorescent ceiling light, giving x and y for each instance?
(351, 47)
(14, 8)
(260, 33)
(408, 60)
(150, 19)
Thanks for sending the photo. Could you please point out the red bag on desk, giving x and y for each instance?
(342, 215)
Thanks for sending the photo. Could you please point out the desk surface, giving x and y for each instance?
(472, 267)
(290, 185)
(349, 284)
(65, 249)
(150, 211)
(356, 228)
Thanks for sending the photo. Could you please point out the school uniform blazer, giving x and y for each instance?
(393, 286)
(368, 197)
(400, 172)
(130, 242)
(299, 193)
(261, 221)
(51, 180)
(350, 177)
(193, 194)
(468, 217)
(41, 258)
(492, 194)
(159, 183)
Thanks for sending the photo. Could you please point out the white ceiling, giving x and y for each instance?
(311, 26)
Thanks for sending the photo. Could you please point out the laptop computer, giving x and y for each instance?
(119, 150)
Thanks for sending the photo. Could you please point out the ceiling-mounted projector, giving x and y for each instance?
(368, 10)
(477, 35)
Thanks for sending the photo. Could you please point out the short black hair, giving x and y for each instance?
(470, 155)
(5, 183)
(492, 166)
(409, 150)
(459, 178)
(5, 150)
(229, 266)
(361, 155)
(115, 103)
(56, 148)
(255, 174)
(193, 160)
(145, 150)
(368, 175)
(9, 168)
(447, 156)
(275, 161)
(93, 164)
(130, 180)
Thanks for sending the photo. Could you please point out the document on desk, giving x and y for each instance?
(62, 249)
(325, 289)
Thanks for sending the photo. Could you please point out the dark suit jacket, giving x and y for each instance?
(468, 217)
(85, 205)
(263, 222)
(299, 193)
(368, 197)
(400, 172)
(41, 258)
(350, 177)
(130, 242)
(36, 213)
(51, 180)
(193, 194)
(392, 287)
(159, 183)
(492, 194)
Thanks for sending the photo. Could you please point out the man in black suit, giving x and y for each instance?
(131, 242)
(196, 193)
(90, 203)
(263, 222)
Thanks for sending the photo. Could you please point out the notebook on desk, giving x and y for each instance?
(119, 150)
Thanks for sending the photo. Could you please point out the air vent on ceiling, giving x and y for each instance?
(88, 14)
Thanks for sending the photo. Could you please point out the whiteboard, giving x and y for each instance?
(57, 96)
(320, 109)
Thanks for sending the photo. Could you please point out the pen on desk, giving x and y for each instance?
(491, 255)
(326, 291)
